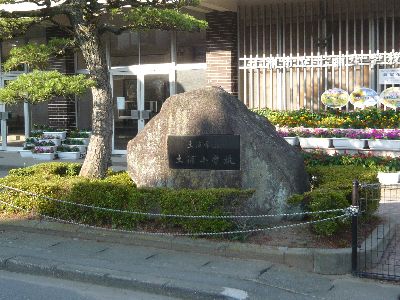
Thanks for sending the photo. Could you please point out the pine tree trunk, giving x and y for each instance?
(98, 157)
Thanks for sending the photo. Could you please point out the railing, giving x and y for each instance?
(376, 238)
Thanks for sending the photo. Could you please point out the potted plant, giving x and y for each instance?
(76, 143)
(349, 139)
(36, 133)
(54, 138)
(46, 145)
(30, 141)
(61, 134)
(43, 153)
(80, 135)
(384, 140)
(318, 138)
(26, 151)
(67, 152)
(289, 135)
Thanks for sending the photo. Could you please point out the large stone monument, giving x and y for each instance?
(208, 138)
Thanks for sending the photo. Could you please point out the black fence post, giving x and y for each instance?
(354, 238)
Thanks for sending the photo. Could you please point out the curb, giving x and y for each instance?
(321, 261)
(111, 278)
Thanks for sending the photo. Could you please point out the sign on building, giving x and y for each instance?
(389, 76)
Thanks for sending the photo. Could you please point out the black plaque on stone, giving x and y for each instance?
(204, 152)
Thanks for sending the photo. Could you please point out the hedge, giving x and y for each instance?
(117, 191)
(332, 189)
(332, 186)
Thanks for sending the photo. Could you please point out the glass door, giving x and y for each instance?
(137, 98)
(156, 91)
(125, 93)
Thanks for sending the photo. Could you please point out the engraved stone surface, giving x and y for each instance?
(204, 152)
(266, 162)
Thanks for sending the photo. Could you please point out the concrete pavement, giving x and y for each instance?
(18, 286)
(69, 252)
(180, 274)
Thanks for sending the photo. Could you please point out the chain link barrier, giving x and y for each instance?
(352, 211)
(173, 215)
(197, 234)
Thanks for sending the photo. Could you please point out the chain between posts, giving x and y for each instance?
(345, 210)
(175, 234)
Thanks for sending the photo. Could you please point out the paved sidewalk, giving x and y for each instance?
(87, 255)
(12, 160)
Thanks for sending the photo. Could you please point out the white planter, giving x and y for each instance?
(44, 156)
(292, 140)
(25, 153)
(311, 142)
(346, 143)
(69, 155)
(61, 134)
(389, 178)
(56, 142)
(82, 148)
(384, 144)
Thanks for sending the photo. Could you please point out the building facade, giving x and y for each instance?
(271, 54)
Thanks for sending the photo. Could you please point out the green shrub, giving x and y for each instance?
(118, 192)
(332, 189)
(366, 118)
(53, 168)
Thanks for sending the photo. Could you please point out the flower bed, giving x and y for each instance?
(374, 139)
(367, 118)
(371, 134)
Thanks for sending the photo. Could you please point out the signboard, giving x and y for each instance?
(204, 152)
(120, 103)
(335, 98)
(364, 97)
(391, 97)
(389, 76)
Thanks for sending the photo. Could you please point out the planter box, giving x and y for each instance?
(384, 144)
(347, 143)
(69, 155)
(56, 142)
(82, 148)
(321, 143)
(61, 134)
(25, 153)
(292, 140)
(389, 178)
(44, 156)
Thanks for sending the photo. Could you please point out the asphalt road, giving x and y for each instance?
(17, 286)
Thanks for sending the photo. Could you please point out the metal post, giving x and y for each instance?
(3, 129)
(27, 119)
(354, 238)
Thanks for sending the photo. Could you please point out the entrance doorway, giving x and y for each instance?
(137, 99)
(12, 128)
